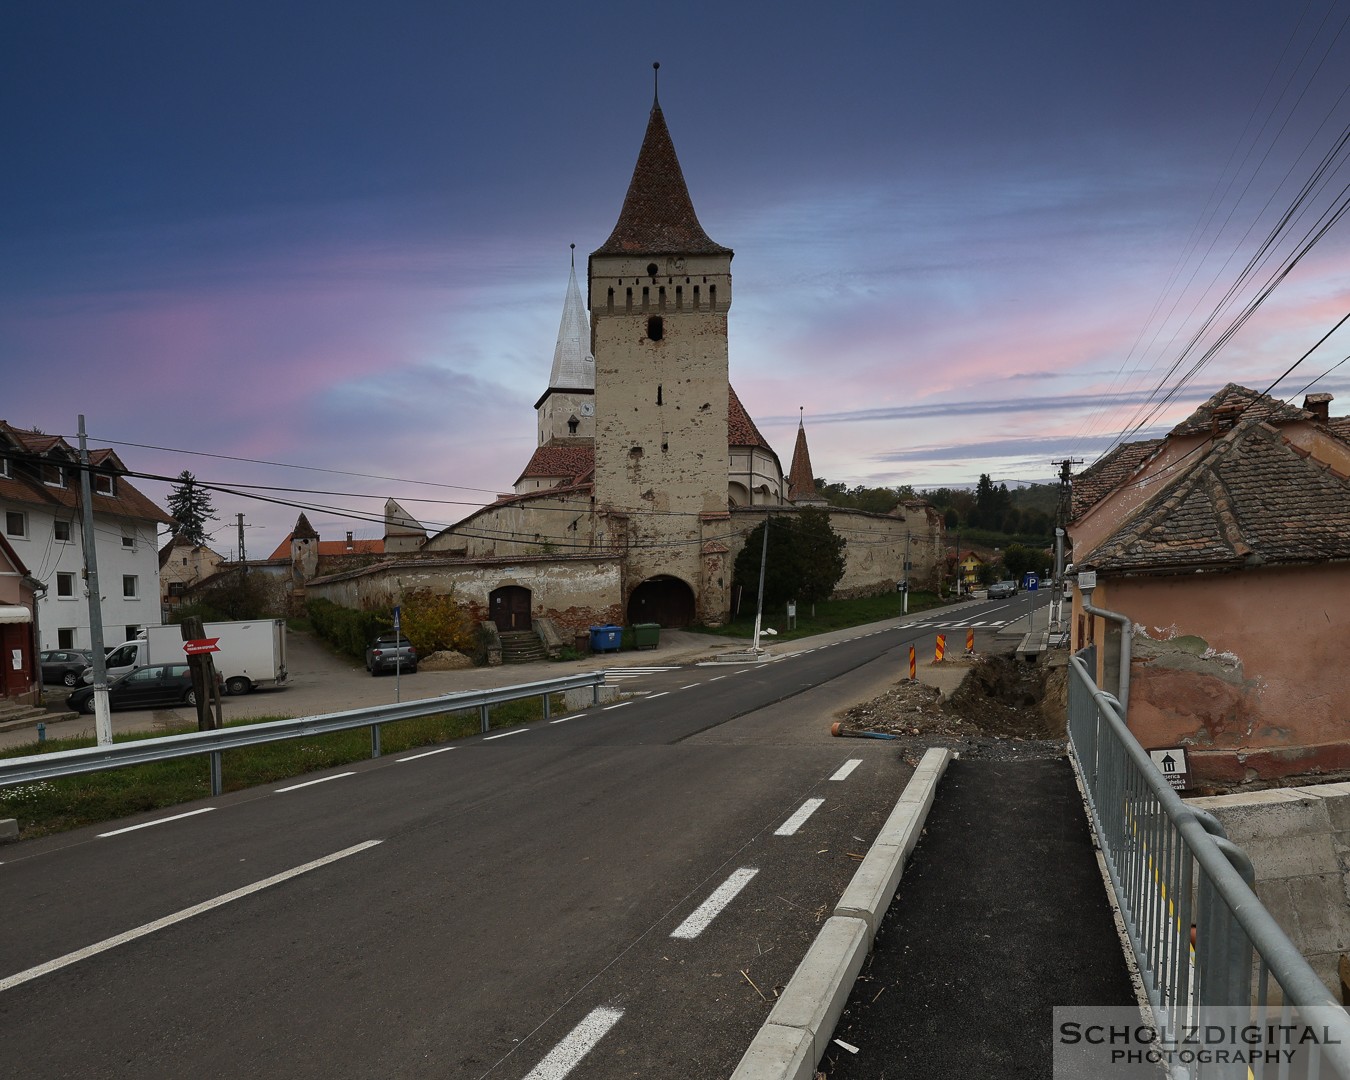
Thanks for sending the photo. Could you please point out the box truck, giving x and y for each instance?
(251, 654)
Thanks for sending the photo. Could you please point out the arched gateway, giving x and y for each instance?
(662, 599)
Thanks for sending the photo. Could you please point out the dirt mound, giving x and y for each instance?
(1000, 710)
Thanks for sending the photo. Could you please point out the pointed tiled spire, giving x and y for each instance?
(801, 480)
(573, 364)
(658, 216)
(303, 529)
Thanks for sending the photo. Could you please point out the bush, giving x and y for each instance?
(434, 621)
(347, 630)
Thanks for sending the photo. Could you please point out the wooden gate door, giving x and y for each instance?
(510, 606)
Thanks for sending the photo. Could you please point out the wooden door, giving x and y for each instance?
(510, 607)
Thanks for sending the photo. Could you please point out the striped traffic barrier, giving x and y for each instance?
(913, 667)
(941, 648)
(970, 641)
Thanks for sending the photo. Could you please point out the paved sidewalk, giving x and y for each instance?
(1001, 915)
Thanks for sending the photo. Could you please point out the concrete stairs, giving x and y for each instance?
(522, 647)
(14, 716)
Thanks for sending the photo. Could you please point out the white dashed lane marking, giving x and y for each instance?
(846, 768)
(706, 912)
(579, 1042)
(797, 820)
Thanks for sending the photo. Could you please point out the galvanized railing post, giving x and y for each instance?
(217, 784)
(547, 707)
(485, 716)
(374, 740)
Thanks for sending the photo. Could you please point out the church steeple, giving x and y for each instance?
(658, 215)
(801, 480)
(573, 364)
(566, 410)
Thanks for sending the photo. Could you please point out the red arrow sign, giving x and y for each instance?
(201, 645)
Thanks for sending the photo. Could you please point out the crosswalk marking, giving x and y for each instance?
(632, 672)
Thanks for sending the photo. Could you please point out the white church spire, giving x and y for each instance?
(573, 364)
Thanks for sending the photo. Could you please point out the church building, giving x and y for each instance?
(648, 471)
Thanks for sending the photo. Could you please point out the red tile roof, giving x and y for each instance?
(1253, 499)
(25, 485)
(1093, 484)
(331, 548)
(658, 216)
(1238, 401)
(569, 462)
(741, 430)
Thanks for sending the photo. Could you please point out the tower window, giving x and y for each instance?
(661, 298)
(656, 328)
(651, 270)
(712, 297)
(658, 395)
(611, 301)
(646, 297)
(679, 297)
(628, 302)
(696, 298)
(572, 425)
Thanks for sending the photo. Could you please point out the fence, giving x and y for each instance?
(1203, 940)
(27, 770)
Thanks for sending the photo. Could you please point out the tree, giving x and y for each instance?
(190, 506)
(820, 555)
(235, 595)
(1019, 560)
(806, 559)
(435, 621)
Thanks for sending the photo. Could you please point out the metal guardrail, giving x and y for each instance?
(36, 767)
(1203, 940)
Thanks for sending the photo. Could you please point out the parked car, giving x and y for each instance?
(64, 666)
(388, 652)
(158, 684)
(1002, 588)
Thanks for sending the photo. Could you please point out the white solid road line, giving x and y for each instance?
(690, 686)
(158, 821)
(177, 917)
(311, 783)
(620, 705)
(579, 1042)
(707, 911)
(846, 768)
(504, 734)
(797, 820)
(426, 753)
(563, 719)
(653, 697)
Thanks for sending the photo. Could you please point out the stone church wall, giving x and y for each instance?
(875, 555)
(575, 592)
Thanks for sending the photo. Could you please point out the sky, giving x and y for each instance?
(969, 239)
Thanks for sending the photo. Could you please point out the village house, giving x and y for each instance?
(1226, 547)
(182, 566)
(20, 675)
(41, 505)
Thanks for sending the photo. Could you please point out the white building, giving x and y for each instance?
(40, 514)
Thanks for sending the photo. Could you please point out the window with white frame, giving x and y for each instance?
(61, 530)
(16, 524)
(65, 586)
(4, 466)
(65, 637)
(128, 541)
(104, 484)
(130, 587)
(53, 475)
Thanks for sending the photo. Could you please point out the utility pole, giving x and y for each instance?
(905, 608)
(102, 715)
(759, 604)
(242, 556)
(1063, 509)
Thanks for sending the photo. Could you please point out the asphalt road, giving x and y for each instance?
(623, 888)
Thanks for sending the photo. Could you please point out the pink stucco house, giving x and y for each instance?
(1226, 545)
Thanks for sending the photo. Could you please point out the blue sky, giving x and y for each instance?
(968, 238)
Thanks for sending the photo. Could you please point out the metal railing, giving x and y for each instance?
(28, 770)
(1203, 940)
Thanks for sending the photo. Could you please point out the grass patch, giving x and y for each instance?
(71, 802)
(830, 615)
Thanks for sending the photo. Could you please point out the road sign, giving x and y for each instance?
(1171, 762)
(201, 645)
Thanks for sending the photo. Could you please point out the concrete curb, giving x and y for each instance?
(794, 1038)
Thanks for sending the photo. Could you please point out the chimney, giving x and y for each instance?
(350, 545)
(1224, 417)
(1319, 405)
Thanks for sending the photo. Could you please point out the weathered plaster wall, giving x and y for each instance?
(1248, 670)
(661, 453)
(576, 592)
(875, 553)
(546, 525)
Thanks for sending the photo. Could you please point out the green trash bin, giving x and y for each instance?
(646, 635)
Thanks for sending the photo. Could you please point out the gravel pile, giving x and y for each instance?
(1003, 710)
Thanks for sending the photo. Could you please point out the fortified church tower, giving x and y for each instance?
(660, 290)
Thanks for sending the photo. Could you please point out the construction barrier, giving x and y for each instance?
(913, 667)
(970, 641)
(941, 648)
